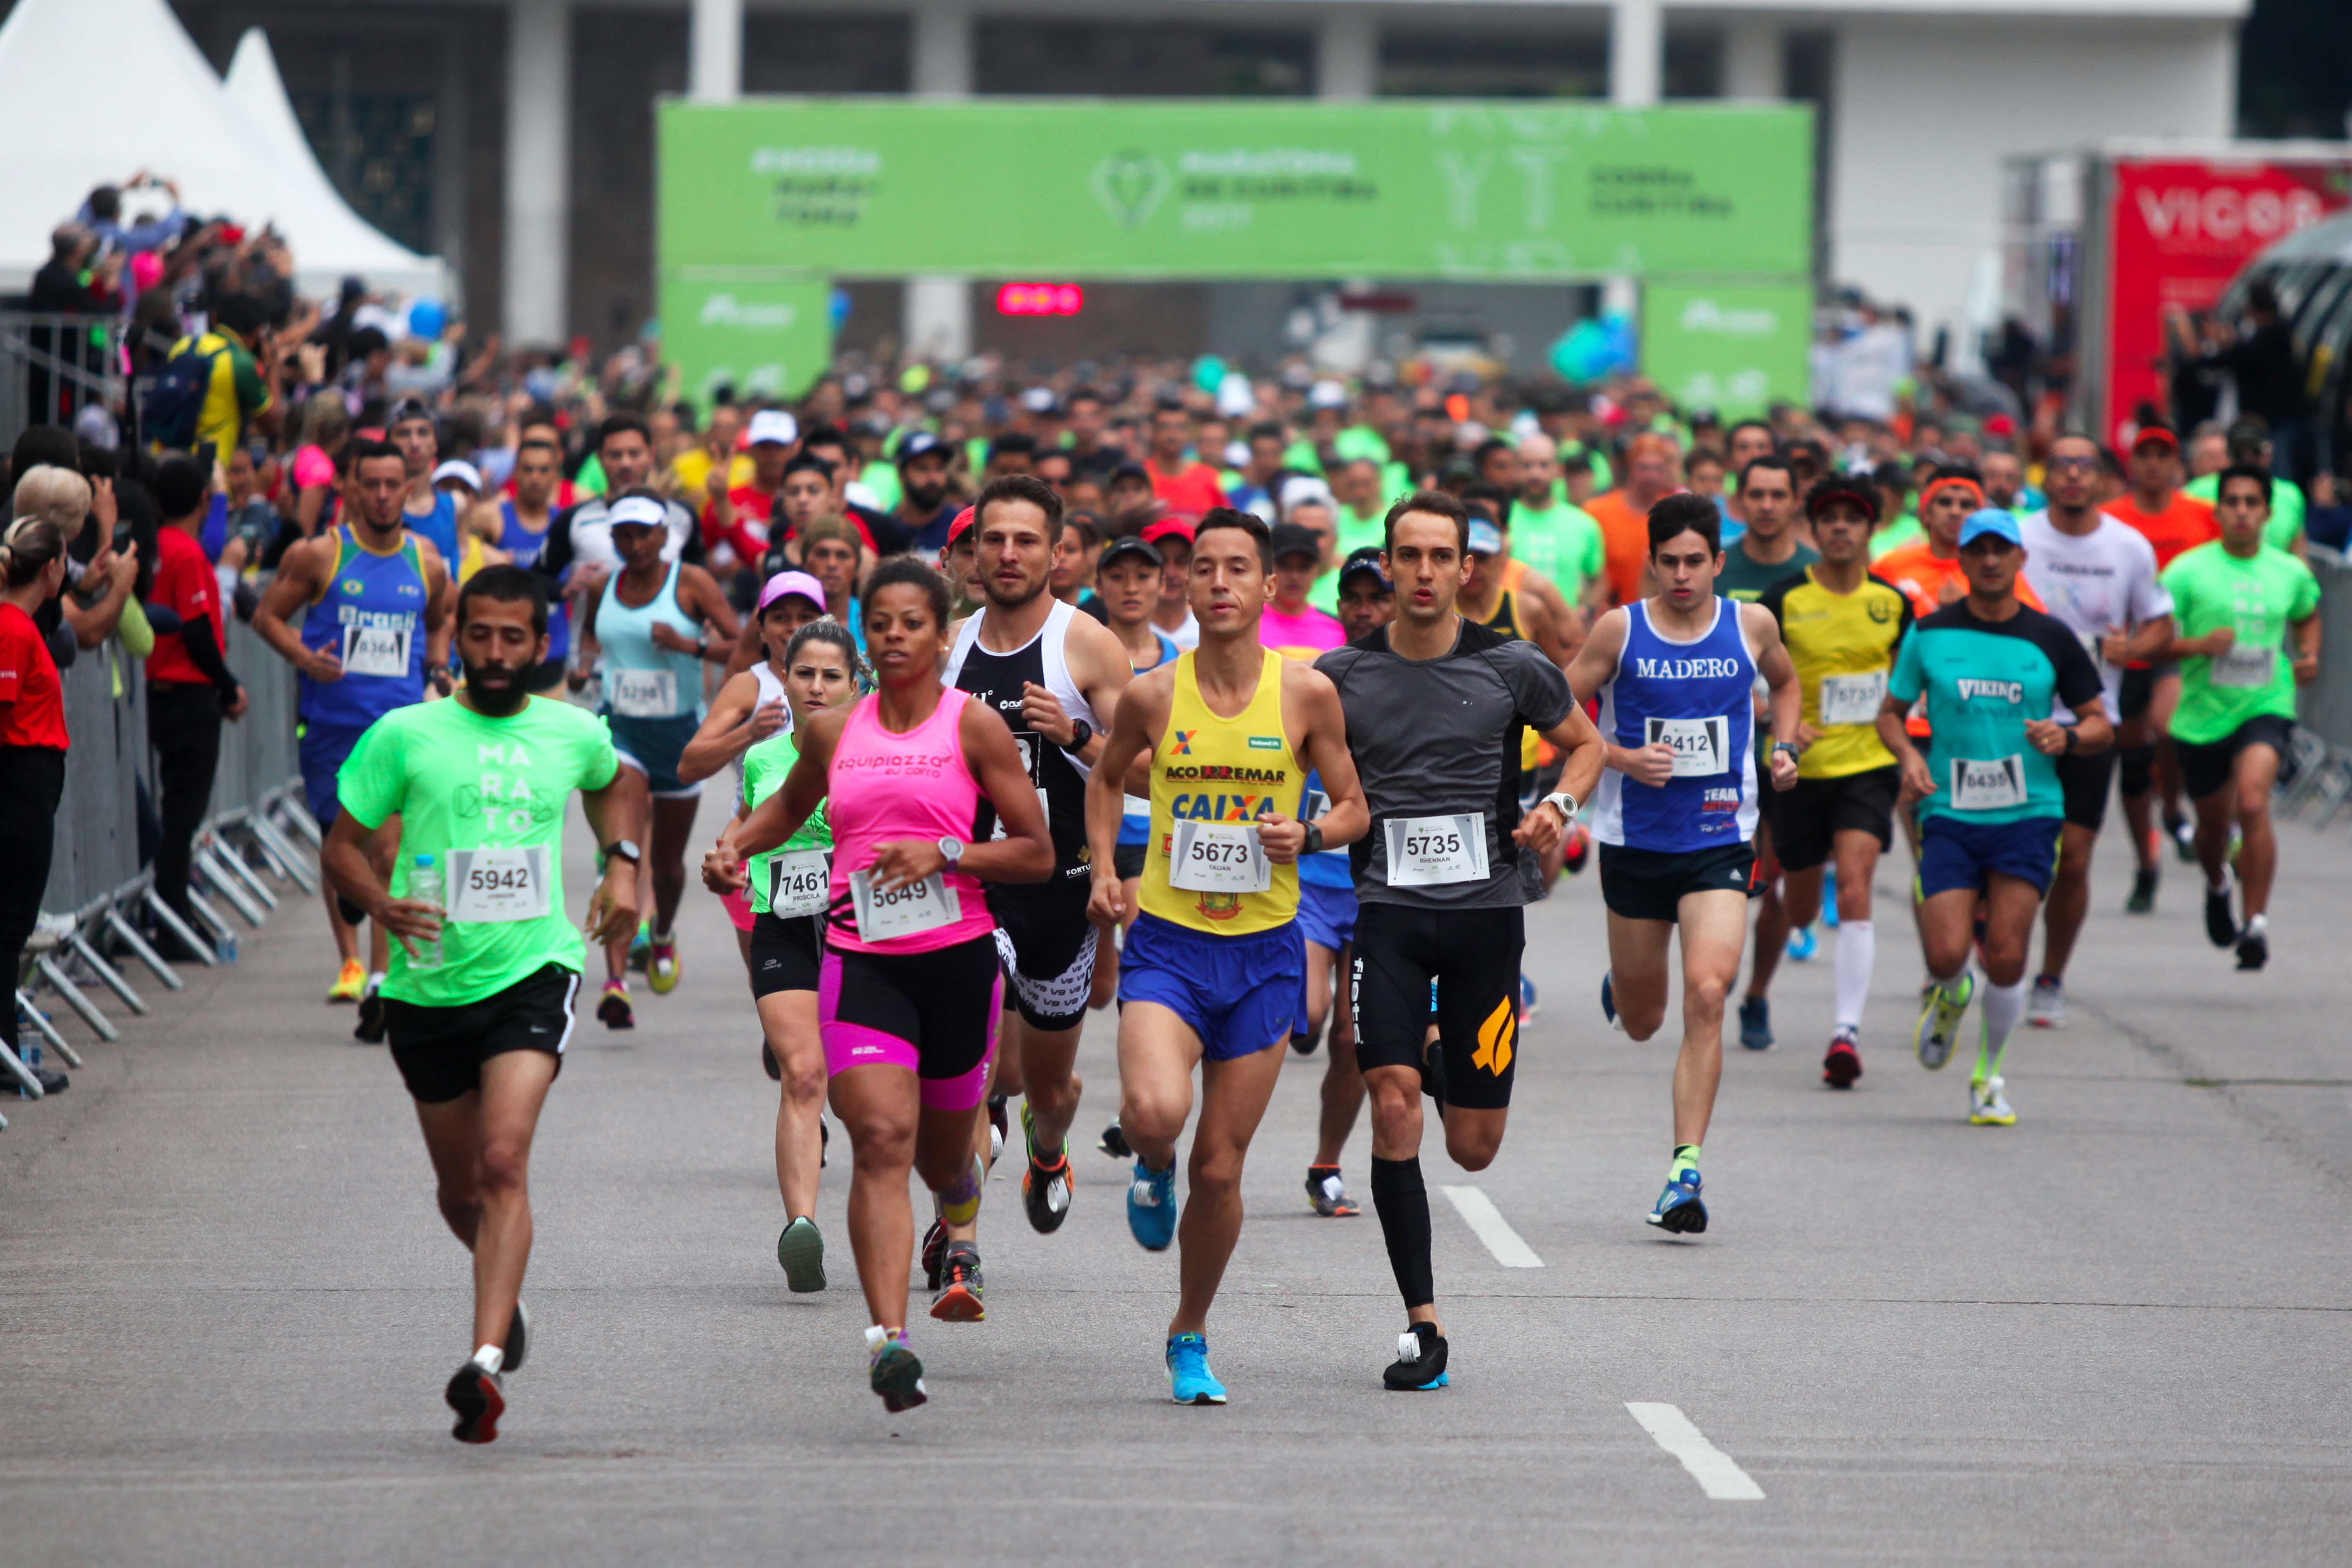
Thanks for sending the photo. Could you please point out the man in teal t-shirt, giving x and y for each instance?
(1991, 803)
(484, 961)
(2234, 603)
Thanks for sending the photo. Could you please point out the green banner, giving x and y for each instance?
(769, 338)
(1502, 190)
(1738, 348)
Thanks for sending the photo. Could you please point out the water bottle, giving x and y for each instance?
(427, 951)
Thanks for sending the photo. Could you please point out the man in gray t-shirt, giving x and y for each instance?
(1436, 708)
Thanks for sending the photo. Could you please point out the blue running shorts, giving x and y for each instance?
(1238, 994)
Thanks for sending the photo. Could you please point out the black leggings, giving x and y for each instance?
(32, 781)
(183, 722)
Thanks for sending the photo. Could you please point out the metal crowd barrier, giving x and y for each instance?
(250, 847)
(2320, 781)
(50, 366)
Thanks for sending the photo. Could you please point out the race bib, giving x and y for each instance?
(1217, 858)
(376, 651)
(1701, 746)
(798, 883)
(489, 886)
(642, 693)
(928, 905)
(2244, 667)
(1430, 851)
(1987, 785)
(1853, 699)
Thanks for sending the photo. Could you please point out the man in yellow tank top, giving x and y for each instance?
(1214, 962)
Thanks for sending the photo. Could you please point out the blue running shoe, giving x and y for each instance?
(1802, 944)
(1190, 1381)
(1151, 1211)
(1609, 999)
(1528, 1001)
(1829, 898)
(1679, 1208)
(1756, 1023)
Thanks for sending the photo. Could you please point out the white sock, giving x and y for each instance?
(2257, 925)
(489, 1357)
(1857, 949)
(374, 979)
(2003, 1006)
(2225, 883)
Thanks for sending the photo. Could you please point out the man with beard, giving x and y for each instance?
(924, 510)
(478, 1003)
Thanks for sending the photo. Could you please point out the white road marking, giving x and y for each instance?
(1486, 1222)
(1713, 1469)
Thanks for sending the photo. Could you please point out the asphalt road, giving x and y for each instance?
(2116, 1331)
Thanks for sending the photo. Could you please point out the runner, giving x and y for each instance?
(1213, 962)
(2098, 577)
(1992, 670)
(518, 524)
(1435, 704)
(428, 513)
(1054, 677)
(2237, 598)
(648, 622)
(478, 1002)
(375, 625)
(1841, 626)
(908, 989)
(1676, 811)
(1128, 578)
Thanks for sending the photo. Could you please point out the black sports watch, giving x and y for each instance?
(625, 849)
(2073, 738)
(1314, 838)
(1080, 734)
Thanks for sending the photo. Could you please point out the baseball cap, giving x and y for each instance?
(788, 582)
(1132, 544)
(1040, 400)
(1130, 471)
(1993, 521)
(1359, 561)
(643, 510)
(2162, 435)
(1854, 488)
(459, 469)
(772, 427)
(1327, 394)
(408, 408)
(919, 443)
(961, 526)
(1485, 539)
(1179, 527)
(1291, 539)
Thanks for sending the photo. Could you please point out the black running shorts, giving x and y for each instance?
(785, 954)
(1473, 957)
(1806, 820)
(1649, 884)
(440, 1050)
(2209, 767)
(1046, 944)
(2087, 778)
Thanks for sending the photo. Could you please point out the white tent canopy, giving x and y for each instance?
(96, 90)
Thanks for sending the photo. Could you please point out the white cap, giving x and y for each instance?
(459, 469)
(644, 510)
(1236, 398)
(1327, 394)
(772, 424)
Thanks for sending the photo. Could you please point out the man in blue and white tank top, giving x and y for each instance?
(374, 629)
(429, 512)
(519, 524)
(1676, 812)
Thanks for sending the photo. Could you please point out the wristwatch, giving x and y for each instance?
(1790, 747)
(625, 849)
(952, 848)
(2072, 738)
(1314, 838)
(1080, 734)
(1565, 802)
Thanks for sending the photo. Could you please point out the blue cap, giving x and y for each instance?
(1485, 539)
(1992, 519)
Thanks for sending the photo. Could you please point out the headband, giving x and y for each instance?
(1976, 491)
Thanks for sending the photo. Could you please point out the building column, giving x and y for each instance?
(1752, 64)
(1347, 57)
(937, 320)
(1637, 69)
(715, 61)
(539, 172)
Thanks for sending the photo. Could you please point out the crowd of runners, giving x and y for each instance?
(1241, 742)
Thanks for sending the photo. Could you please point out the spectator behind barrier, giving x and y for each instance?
(33, 738)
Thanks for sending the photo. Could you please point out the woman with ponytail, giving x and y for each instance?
(32, 751)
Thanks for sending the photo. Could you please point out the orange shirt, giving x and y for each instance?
(2184, 524)
(1625, 533)
(1914, 568)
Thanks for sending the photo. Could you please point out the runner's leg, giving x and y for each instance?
(2010, 905)
(2255, 775)
(1773, 920)
(1856, 852)
(1713, 925)
(1637, 971)
(480, 1145)
(1157, 1051)
(789, 1019)
(1234, 1098)
(1343, 1082)
(673, 829)
(880, 1110)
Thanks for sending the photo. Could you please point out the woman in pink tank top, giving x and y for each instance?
(907, 996)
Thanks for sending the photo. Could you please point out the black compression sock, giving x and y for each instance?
(1402, 1204)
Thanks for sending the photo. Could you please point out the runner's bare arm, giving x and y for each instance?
(440, 605)
(1596, 661)
(1311, 703)
(301, 577)
(778, 817)
(728, 732)
(344, 859)
(1579, 740)
(619, 810)
(710, 608)
(1099, 668)
(1025, 853)
(2306, 648)
(1779, 673)
(749, 648)
(1917, 780)
(1135, 731)
(1556, 627)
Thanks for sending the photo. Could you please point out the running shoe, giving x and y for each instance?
(2221, 923)
(1579, 852)
(1939, 1021)
(2254, 942)
(1680, 1208)
(801, 1251)
(2047, 1010)
(1843, 1063)
(935, 1252)
(662, 966)
(996, 1126)
(1756, 1023)
(1045, 1187)
(957, 1297)
(615, 1010)
(1328, 1196)
(518, 1343)
(1829, 898)
(641, 946)
(475, 1396)
(1190, 1381)
(893, 1371)
(50, 1082)
(1114, 1144)
(1988, 1106)
(769, 1065)
(2143, 894)
(1803, 945)
(369, 1030)
(1529, 1003)
(351, 982)
(1151, 1206)
(2183, 834)
(1609, 1000)
(1421, 1361)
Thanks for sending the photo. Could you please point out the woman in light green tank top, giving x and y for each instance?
(783, 949)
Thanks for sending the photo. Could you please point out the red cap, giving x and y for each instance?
(2000, 424)
(2159, 434)
(960, 527)
(1181, 527)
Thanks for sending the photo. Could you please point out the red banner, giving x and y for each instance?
(2181, 229)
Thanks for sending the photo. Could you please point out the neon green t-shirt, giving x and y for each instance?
(484, 798)
(1902, 531)
(2257, 596)
(882, 478)
(2286, 507)
(765, 768)
(1561, 542)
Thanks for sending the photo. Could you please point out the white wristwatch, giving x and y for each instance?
(952, 848)
(1565, 802)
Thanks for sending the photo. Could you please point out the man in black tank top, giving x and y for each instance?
(1054, 675)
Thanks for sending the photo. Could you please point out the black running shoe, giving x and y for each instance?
(518, 1343)
(2221, 925)
(1114, 1144)
(769, 1065)
(1421, 1361)
(935, 1250)
(2143, 894)
(474, 1395)
(2183, 836)
(1843, 1063)
(2253, 945)
(957, 1296)
(370, 1028)
(1044, 1188)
